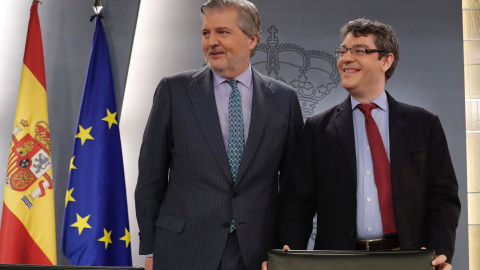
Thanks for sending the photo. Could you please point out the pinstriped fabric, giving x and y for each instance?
(185, 197)
(232, 258)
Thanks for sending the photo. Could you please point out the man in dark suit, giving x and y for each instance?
(393, 190)
(214, 153)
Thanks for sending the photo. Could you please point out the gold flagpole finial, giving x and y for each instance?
(97, 6)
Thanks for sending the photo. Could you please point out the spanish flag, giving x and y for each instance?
(27, 232)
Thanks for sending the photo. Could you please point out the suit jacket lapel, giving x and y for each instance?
(261, 107)
(203, 99)
(398, 130)
(343, 120)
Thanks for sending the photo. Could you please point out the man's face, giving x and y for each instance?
(365, 74)
(225, 46)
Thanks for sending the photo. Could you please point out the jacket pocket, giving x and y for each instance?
(170, 223)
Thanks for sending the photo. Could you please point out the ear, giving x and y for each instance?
(387, 61)
(252, 42)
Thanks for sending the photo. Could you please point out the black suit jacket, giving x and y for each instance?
(323, 181)
(185, 196)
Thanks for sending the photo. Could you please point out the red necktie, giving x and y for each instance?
(381, 169)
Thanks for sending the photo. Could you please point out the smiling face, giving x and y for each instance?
(225, 46)
(363, 76)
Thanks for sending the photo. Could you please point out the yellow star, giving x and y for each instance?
(81, 223)
(126, 238)
(84, 134)
(69, 197)
(71, 164)
(106, 238)
(110, 118)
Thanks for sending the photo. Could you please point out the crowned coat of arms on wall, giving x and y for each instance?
(312, 73)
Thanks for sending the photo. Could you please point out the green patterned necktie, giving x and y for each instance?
(235, 134)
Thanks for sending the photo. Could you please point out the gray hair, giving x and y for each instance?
(248, 16)
(385, 38)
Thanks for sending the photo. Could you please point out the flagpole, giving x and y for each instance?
(97, 6)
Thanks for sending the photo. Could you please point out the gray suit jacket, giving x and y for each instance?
(185, 196)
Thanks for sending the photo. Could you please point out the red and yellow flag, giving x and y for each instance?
(27, 232)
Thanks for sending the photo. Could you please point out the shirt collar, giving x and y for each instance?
(381, 101)
(244, 78)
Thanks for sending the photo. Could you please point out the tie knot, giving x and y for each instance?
(367, 108)
(232, 82)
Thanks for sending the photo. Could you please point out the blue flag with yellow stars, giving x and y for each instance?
(95, 223)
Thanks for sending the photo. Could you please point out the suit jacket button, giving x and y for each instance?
(354, 196)
(352, 232)
(226, 225)
(234, 195)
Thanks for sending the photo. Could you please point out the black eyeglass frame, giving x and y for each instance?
(367, 51)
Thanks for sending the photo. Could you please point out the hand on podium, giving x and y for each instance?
(440, 262)
(265, 263)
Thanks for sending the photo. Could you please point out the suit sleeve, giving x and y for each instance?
(295, 123)
(443, 204)
(297, 194)
(153, 165)
(295, 126)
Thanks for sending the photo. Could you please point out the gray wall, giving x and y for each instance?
(67, 38)
(167, 40)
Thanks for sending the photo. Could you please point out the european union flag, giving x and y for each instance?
(95, 222)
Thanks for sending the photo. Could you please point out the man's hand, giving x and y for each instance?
(265, 263)
(149, 263)
(440, 263)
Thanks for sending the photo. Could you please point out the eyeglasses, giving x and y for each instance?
(340, 52)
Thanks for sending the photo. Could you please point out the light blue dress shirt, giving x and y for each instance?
(222, 93)
(369, 220)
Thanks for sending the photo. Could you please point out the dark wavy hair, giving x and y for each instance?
(385, 38)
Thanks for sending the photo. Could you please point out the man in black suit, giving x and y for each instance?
(214, 153)
(338, 168)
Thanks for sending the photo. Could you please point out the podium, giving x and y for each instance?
(345, 260)
(63, 267)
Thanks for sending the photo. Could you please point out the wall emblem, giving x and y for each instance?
(312, 73)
